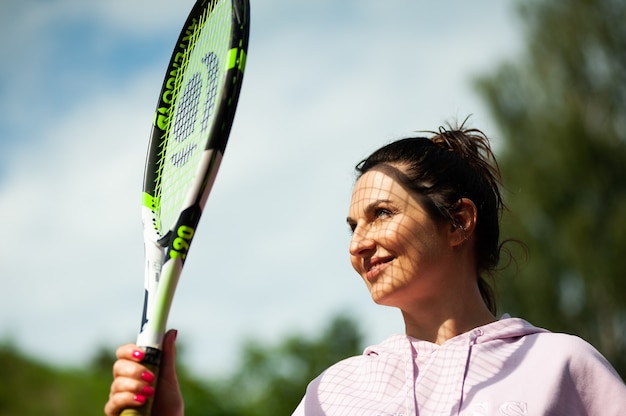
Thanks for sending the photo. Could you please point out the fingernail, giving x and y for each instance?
(138, 354)
(139, 398)
(147, 377)
(147, 391)
(175, 334)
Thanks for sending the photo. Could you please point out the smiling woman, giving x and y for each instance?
(425, 217)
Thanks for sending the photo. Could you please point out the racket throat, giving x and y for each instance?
(154, 256)
(160, 302)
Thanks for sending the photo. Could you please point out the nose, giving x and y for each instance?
(362, 242)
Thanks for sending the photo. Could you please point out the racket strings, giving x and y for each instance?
(211, 62)
(183, 124)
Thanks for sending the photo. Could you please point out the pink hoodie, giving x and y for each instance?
(508, 367)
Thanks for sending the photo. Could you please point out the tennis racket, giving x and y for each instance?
(191, 126)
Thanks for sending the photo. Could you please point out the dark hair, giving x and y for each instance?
(454, 163)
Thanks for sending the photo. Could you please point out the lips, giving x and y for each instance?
(375, 266)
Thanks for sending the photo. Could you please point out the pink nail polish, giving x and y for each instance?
(138, 354)
(139, 398)
(147, 377)
(147, 391)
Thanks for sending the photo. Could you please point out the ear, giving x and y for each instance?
(464, 221)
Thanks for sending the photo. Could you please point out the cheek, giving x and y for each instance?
(395, 238)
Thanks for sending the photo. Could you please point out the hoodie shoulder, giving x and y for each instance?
(391, 353)
(374, 380)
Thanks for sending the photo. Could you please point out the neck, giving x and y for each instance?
(444, 320)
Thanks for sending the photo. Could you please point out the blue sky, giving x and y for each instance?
(326, 83)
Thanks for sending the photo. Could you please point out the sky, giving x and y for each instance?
(326, 83)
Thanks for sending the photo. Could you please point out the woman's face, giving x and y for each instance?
(398, 250)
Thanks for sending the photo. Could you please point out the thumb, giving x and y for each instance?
(168, 360)
(168, 400)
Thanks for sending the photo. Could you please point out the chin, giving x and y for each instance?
(390, 298)
(382, 299)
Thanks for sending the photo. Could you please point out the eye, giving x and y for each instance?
(382, 213)
(352, 225)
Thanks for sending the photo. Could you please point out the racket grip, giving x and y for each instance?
(152, 361)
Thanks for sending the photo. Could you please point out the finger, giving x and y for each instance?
(122, 400)
(168, 362)
(127, 392)
(133, 370)
(132, 385)
(130, 352)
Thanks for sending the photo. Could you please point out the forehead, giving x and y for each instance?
(376, 185)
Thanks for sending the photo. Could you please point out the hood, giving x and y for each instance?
(506, 328)
(503, 329)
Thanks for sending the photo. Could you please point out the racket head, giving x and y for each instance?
(195, 110)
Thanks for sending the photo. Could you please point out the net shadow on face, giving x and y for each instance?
(398, 249)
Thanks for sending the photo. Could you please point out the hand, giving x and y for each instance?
(133, 383)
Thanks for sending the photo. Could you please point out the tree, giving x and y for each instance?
(33, 388)
(562, 111)
(272, 380)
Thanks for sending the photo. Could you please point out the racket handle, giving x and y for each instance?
(152, 361)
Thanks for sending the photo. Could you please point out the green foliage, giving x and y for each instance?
(270, 381)
(31, 388)
(562, 111)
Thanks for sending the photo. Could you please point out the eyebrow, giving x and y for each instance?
(369, 208)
